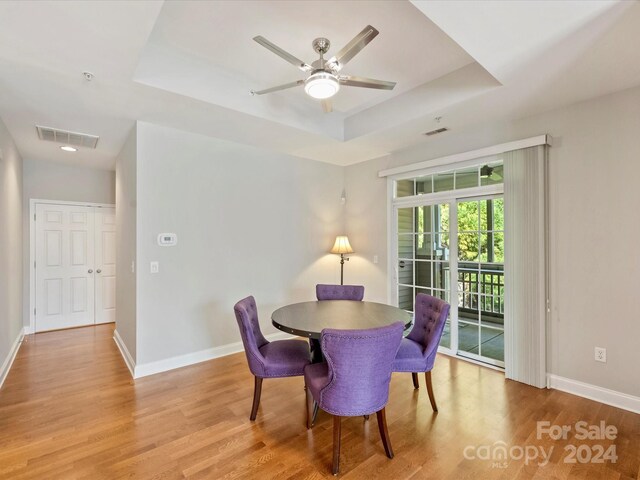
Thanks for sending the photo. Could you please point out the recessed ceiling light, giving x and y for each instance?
(67, 148)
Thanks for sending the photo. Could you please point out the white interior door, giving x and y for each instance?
(105, 255)
(64, 246)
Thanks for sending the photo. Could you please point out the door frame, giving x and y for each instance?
(30, 327)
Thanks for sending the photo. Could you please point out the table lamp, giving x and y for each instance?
(341, 247)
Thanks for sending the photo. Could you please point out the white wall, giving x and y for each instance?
(594, 175)
(249, 222)
(10, 244)
(55, 181)
(126, 198)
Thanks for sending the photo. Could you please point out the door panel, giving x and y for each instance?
(105, 265)
(64, 248)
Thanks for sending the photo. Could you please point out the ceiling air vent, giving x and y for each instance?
(436, 131)
(66, 137)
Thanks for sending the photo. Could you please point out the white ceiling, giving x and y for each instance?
(191, 65)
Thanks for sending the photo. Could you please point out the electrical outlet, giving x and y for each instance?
(601, 354)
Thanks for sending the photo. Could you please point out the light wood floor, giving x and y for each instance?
(69, 410)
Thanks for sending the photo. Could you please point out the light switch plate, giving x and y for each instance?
(155, 267)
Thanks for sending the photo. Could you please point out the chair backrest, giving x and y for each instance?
(339, 292)
(359, 363)
(430, 317)
(252, 338)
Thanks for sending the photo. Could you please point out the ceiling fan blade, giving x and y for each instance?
(327, 106)
(282, 54)
(279, 87)
(352, 81)
(352, 48)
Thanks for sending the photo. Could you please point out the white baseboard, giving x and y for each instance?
(593, 392)
(124, 351)
(171, 363)
(8, 362)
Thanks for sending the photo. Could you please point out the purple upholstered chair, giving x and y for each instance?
(282, 358)
(354, 380)
(340, 292)
(417, 351)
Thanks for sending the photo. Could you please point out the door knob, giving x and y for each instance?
(90, 271)
(98, 271)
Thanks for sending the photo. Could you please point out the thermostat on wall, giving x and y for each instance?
(167, 239)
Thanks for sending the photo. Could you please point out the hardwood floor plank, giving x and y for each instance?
(70, 410)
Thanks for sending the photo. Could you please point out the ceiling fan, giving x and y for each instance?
(324, 78)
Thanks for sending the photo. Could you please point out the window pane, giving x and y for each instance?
(441, 246)
(423, 274)
(440, 274)
(405, 272)
(424, 246)
(468, 216)
(467, 178)
(405, 220)
(405, 246)
(423, 219)
(445, 340)
(492, 343)
(405, 298)
(404, 188)
(498, 214)
(491, 174)
(468, 247)
(443, 182)
(498, 247)
(442, 217)
(492, 247)
(424, 185)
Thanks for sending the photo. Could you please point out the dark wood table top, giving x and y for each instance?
(308, 319)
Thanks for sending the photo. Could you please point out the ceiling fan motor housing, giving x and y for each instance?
(321, 45)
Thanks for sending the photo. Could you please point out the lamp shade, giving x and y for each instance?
(342, 245)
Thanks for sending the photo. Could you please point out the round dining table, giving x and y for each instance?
(308, 319)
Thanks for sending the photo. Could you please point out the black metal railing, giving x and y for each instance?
(481, 289)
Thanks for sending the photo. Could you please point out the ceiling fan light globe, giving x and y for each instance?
(321, 85)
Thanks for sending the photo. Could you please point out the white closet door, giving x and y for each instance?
(64, 266)
(105, 265)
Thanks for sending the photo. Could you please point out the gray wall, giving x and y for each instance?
(249, 222)
(594, 172)
(55, 181)
(126, 242)
(10, 243)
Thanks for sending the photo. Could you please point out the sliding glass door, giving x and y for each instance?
(449, 243)
(480, 279)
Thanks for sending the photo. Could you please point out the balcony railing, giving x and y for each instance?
(481, 289)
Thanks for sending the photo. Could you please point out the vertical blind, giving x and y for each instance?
(525, 205)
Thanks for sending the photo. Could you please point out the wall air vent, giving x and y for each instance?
(66, 137)
(436, 131)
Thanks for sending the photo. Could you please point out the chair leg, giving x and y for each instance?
(314, 415)
(384, 433)
(416, 385)
(337, 424)
(257, 390)
(309, 401)
(432, 399)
